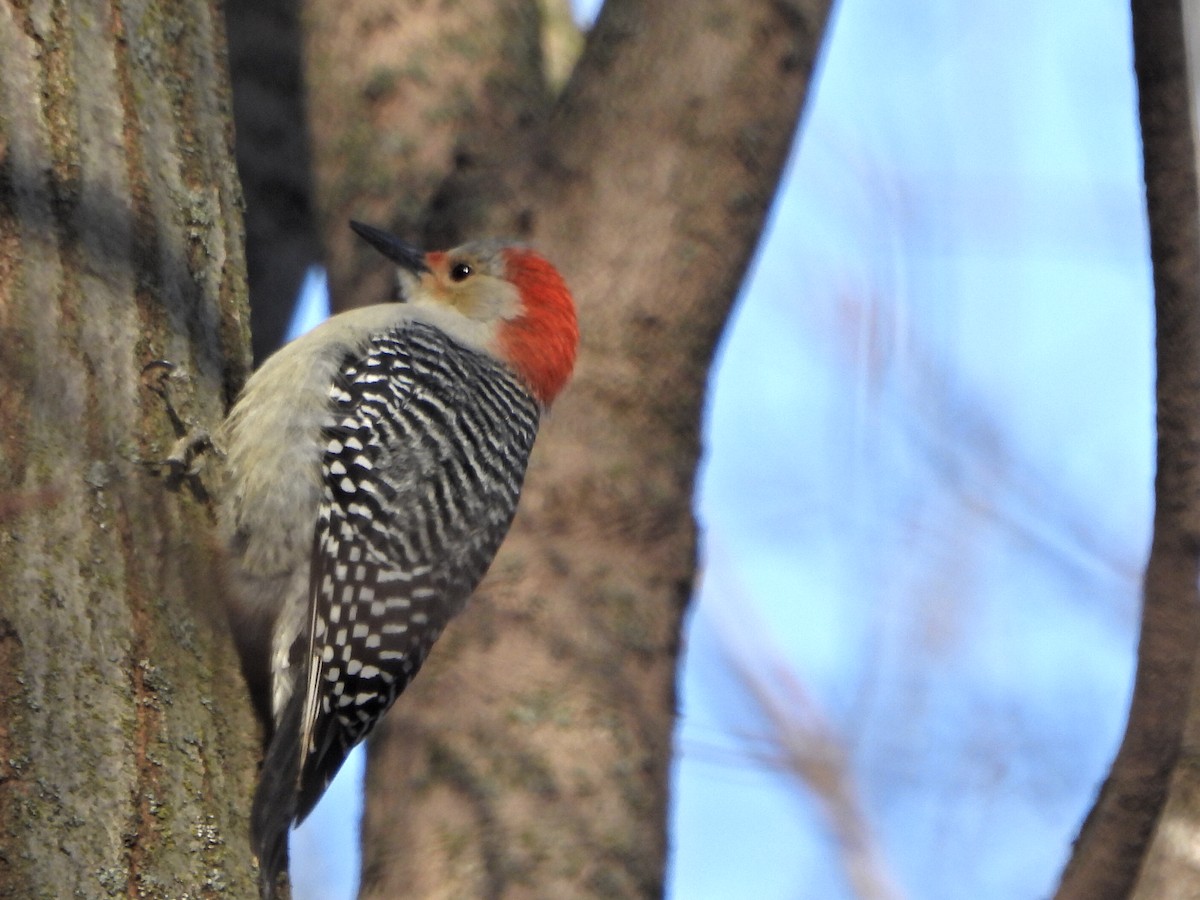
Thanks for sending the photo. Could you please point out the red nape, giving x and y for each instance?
(540, 343)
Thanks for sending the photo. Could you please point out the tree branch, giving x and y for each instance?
(553, 697)
(1111, 847)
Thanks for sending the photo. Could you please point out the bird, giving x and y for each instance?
(370, 471)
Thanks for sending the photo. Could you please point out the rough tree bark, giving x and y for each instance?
(530, 757)
(127, 745)
(1145, 819)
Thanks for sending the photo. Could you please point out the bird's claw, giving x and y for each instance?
(182, 463)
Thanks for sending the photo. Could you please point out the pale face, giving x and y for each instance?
(470, 279)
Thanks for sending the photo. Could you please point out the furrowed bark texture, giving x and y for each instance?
(125, 763)
(530, 757)
(1113, 844)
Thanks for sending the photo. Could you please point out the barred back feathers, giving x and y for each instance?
(373, 469)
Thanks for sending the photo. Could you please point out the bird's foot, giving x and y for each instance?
(183, 464)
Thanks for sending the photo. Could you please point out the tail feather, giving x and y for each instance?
(331, 745)
(274, 808)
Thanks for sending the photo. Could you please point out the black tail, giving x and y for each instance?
(274, 808)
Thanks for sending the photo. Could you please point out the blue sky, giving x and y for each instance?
(927, 487)
(926, 491)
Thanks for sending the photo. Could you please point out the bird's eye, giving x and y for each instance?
(460, 272)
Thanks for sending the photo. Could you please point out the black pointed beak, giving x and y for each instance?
(400, 252)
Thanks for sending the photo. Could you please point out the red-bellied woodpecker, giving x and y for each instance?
(372, 468)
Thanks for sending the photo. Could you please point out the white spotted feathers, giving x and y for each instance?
(421, 474)
(371, 469)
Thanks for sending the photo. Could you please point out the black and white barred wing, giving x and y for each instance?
(422, 473)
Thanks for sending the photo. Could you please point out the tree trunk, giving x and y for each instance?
(1142, 830)
(396, 95)
(530, 757)
(126, 740)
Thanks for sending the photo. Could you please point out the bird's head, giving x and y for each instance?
(516, 295)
